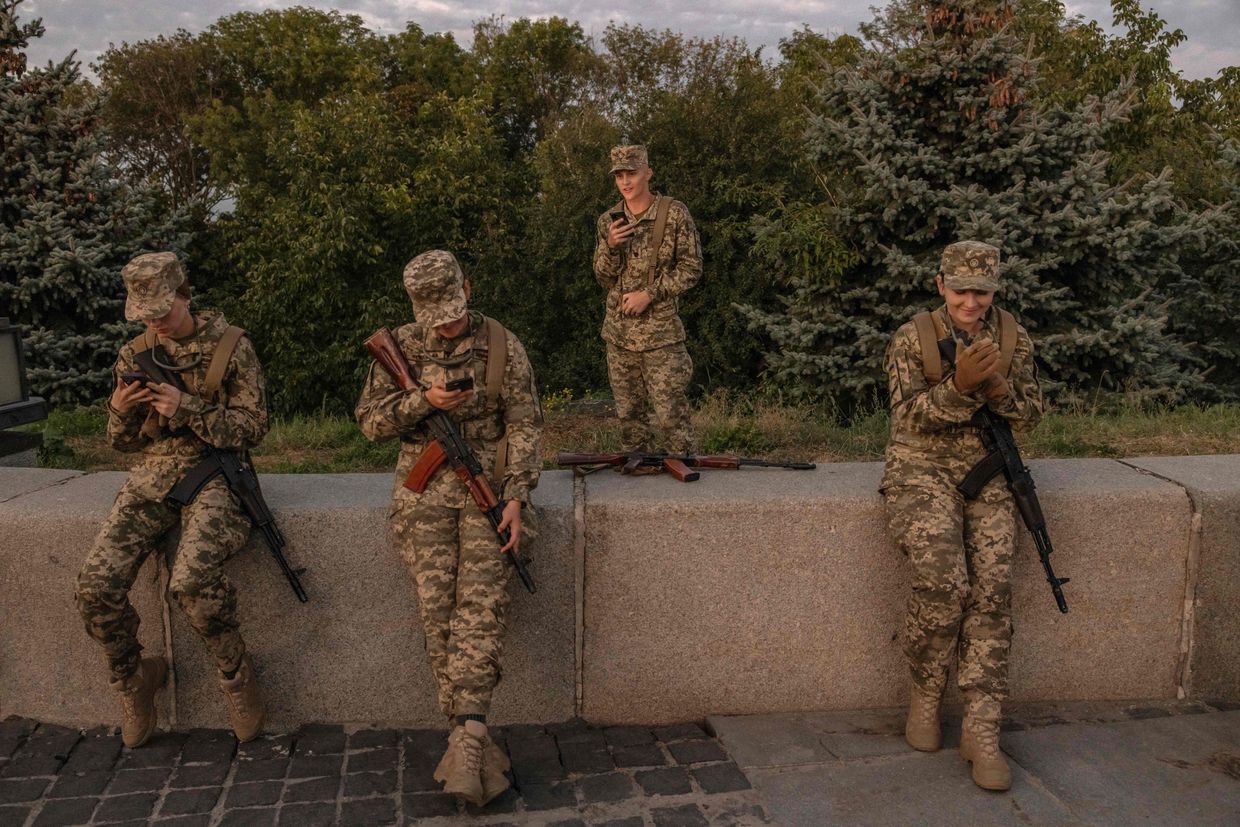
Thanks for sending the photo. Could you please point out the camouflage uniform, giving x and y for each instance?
(647, 362)
(960, 551)
(446, 541)
(213, 527)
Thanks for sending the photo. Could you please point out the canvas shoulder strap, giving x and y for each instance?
(928, 338)
(1007, 340)
(219, 361)
(497, 362)
(144, 341)
(660, 225)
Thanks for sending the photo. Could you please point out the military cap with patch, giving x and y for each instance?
(630, 157)
(970, 265)
(151, 282)
(436, 286)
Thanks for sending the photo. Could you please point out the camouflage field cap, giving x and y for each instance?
(436, 286)
(151, 283)
(628, 157)
(970, 265)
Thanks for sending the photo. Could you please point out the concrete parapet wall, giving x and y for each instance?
(753, 591)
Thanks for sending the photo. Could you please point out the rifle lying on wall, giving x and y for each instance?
(447, 445)
(237, 471)
(680, 466)
(1003, 457)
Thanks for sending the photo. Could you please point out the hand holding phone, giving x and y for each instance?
(620, 229)
(465, 383)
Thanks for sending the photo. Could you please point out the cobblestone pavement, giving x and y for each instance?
(567, 775)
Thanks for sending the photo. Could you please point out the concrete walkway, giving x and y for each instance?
(1073, 764)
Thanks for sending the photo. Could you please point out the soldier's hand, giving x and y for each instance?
(445, 400)
(165, 398)
(975, 364)
(996, 387)
(619, 231)
(635, 303)
(128, 395)
(512, 522)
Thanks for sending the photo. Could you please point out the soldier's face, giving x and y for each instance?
(966, 307)
(633, 183)
(176, 323)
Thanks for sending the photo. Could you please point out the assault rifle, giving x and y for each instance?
(447, 445)
(1003, 457)
(680, 466)
(238, 473)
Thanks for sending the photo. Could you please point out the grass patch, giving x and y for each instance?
(724, 423)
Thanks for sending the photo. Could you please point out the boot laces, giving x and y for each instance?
(926, 710)
(129, 703)
(471, 747)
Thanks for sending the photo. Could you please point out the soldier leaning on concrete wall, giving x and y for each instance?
(172, 430)
(960, 551)
(646, 255)
(452, 552)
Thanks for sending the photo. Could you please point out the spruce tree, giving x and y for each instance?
(931, 138)
(67, 222)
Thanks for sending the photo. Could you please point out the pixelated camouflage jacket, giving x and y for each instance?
(384, 411)
(625, 269)
(238, 421)
(931, 438)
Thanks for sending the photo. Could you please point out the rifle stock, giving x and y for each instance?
(679, 470)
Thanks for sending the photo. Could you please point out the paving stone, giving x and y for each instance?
(720, 778)
(17, 791)
(260, 770)
(98, 750)
(200, 775)
(65, 811)
(631, 821)
(549, 796)
(319, 739)
(264, 817)
(522, 732)
(685, 816)
(428, 805)
(697, 752)
(161, 751)
(611, 787)
(1225, 706)
(309, 815)
(203, 820)
(582, 759)
(311, 766)
(364, 784)
(643, 755)
(680, 732)
(370, 738)
(266, 747)
(87, 783)
(188, 802)
(628, 736)
(664, 781)
(122, 807)
(589, 739)
(138, 781)
(30, 766)
(425, 742)
(532, 772)
(15, 814)
(505, 802)
(316, 789)
(368, 811)
(13, 731)
(571, 822)
(50, 739)
(1145, 713)
(209, 746)
(567, 729)
(253, 795)
(375, 759)
(740, 814)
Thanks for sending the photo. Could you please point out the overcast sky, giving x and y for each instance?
(1212, 26)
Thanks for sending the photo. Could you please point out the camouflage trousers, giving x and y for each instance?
(462, 583)
(961, 554)
(213, 529)
(658, 379)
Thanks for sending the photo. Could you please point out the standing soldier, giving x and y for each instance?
(452, 552)
(647, 254)
(225, 407)
(960, 550)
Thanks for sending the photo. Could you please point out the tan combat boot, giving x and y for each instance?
(979, 745)
(494, 764)
(922, 730)
(245, 702)
(460, 771)
(138, 700)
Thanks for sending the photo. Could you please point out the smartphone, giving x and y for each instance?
(465, 383)
(618, 215)
(131, 376)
